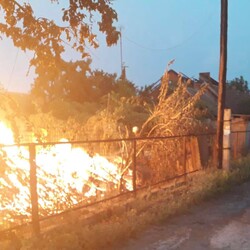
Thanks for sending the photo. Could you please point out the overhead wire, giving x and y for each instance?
(171, 47)
(175, 46)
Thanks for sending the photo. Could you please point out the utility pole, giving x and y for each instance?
(121, 55)
(222, 81)
(123, 67)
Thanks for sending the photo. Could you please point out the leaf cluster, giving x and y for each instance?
(239, 83)
(47, 39)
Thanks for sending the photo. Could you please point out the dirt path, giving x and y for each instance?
(221, 223)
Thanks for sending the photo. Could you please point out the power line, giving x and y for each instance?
(175, 46)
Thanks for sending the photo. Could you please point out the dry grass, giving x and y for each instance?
(115, 228)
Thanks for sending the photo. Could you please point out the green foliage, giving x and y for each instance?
(125, 88)
(117, 118)
(47, 39)
(46, 127)
(239, 84)
(147, 95)
(105, 102)
(68, 82)
(60, 119)
(133, 115)
(102, 84)
(103, 125)
(73, 82)
(64, 110)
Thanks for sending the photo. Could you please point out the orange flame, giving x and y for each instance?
(65, 175)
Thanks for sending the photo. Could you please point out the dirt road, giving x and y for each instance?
(221, 223)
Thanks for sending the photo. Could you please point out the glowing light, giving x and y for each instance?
(6, 135)
(66, 175)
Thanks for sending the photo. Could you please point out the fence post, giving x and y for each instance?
(226, 139)
(238, 149)
(185, 156)
(134, 165)
(33, 190)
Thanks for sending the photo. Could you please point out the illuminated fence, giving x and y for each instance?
(240, 143)
(240, 136)
(44, 180)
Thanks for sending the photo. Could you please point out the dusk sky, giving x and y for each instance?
(154, 33)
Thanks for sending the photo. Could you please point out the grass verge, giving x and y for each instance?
(116, 228)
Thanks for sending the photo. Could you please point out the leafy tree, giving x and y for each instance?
(125, 88)
(47, 39)
(239, 84)
(102, 83)
(73, 81)
(146, 94)
(68, 82)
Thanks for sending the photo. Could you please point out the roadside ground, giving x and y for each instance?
(220, 223)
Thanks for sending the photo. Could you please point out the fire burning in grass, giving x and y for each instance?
(66, 176)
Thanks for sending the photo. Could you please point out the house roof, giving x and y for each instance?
(210, 97)
(233, 97)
